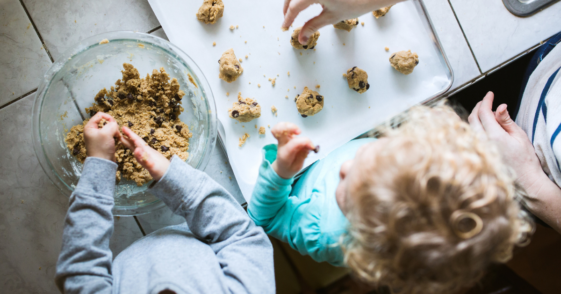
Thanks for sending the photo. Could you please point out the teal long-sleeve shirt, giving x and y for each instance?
(305, 215)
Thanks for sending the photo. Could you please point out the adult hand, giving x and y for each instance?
(100, 142)
(291, 151)
(153, 161)
(333, 12)
(514, 144)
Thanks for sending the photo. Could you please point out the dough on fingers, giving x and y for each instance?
(312, 41)
(230, 67)
(382, 11)
(347, 25)
(210, 11)
(404, 61)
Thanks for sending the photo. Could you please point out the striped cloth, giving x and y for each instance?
(540, 113)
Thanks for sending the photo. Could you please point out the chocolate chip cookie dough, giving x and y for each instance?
(404, 61)
(312, 41)
(381, 12)
(150, 107)
(358, 79)
(230, 67)
(245, 110)
(210, 11)
(346, 25)
(309, 102)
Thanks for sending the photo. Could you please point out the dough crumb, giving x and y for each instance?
(387, 49)
(318, 86)
(256, 126)
(263, 26)
(381, 12)
(269, 126)
(237, 26)
(294, 87)
(288, 73)
(345, 75)
(232, 27)
(246, 42)
(241, 60)
(300, 53)
(362, 23)
(213, 43)
(344, 44)
(274, 81)
(104, 41)
(274, 110)
(262, 131)
(284, 29)
(246, 57)
(192, 80)
(286, 96)
(227, 94)
(243, 139)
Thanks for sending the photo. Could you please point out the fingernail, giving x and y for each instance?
(305, 39)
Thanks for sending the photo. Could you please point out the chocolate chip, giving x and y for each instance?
(130, 124)
(145, 139)
(177, 97)
(164, 148)
(303, 115)
(153, 141)
(356, 89)
(295, 98)
(311, 96)
(241, 102)
(319, 98)
(367, 86)
(218, 60)
(312, 47)
(292, 38)
(159, 120)
(152, 131)
(235, 113)
(305, 46)
(92, 112)
(159, 110)
(392, 56)
(417, 62)
(151, 103)
(353, 68)
(316, 150)
(356, 23)
(178, 128)
(110, 102)
(254, 103)
(130, 96)
(176, 108)
(172, 116)
(237, 66)
(104, 123)
(343, 21)
(361, 84)
(122, 95)
(353, 75)
(76, 150)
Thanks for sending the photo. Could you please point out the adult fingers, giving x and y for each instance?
(504, 119)
(486, 116)
(314, 24)
(285, 8)
(293, 9)
(284, 132)
(473, 119)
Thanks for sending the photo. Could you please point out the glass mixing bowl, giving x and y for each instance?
(71, 84)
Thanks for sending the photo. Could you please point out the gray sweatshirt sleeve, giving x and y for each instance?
(84, 263)
(243, 250)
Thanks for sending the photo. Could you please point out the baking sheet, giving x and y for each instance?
(346, 114)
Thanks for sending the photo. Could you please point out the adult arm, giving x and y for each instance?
(543, 196)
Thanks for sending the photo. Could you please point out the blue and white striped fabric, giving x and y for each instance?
(540, 113)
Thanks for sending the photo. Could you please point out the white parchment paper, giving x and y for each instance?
(346, 114)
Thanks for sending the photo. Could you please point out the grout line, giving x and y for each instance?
(37, 31)
(153, 30)
(465, 37)
(18, 99)
(139, 226)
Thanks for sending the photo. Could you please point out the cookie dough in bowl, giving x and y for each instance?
(74, 82)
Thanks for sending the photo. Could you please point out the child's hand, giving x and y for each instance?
(333, 11)
(100, 142)
(150, 159)
(291, 151)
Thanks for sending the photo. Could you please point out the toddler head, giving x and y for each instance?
(431, 205)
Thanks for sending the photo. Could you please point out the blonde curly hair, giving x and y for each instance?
(433, 209)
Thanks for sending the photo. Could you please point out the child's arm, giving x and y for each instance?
(270, 206)
(84, 263)
(214, 216)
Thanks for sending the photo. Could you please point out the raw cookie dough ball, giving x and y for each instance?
(347, 25)
(309, 102)
(358, 79)
(230, 67)
(404, 61)
(245, 110)
(382, 11)
(210, 11)
(312, 41)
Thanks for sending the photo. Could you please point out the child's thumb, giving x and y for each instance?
(504, 119)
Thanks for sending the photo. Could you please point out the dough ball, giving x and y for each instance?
(358, 79)
(312, 41)
(210, 11)
(309, 102)
(230, 67)
(382, 11)
(245, 110)
(404, 61)
(346, 25)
